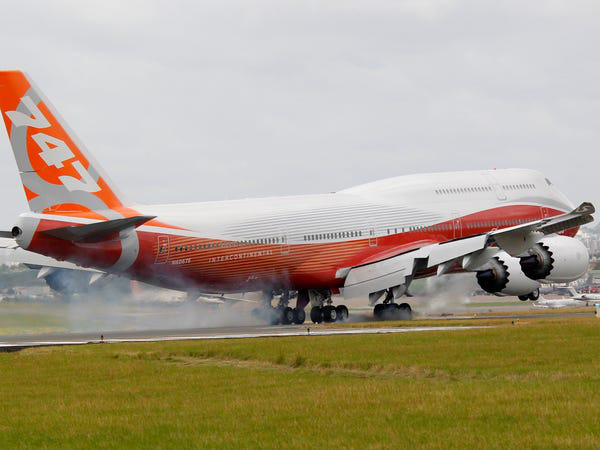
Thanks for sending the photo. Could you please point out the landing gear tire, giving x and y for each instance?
(524, 298)
(316, 314)
(534, 295)
(287, 315)
(405, 311)
(299, 316)
(378, 311)
(392, 311)
(342, 313)
(329, 313)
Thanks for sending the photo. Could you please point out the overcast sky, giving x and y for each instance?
(192, 101)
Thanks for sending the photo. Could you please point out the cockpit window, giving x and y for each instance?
(548, 181)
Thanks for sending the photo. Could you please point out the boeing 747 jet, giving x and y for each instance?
(511, 228)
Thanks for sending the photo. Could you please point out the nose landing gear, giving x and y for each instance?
(533, 296)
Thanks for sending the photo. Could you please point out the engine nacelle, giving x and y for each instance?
(556, 259)
(505, 277)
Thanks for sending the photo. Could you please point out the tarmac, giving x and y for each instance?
(85, 322)
(17, 342)
(14, 343)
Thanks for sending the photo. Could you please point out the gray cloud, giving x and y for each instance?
(192, 101)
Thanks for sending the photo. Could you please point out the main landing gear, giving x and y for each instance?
(322, 309)
(531, 296)
(328, 313)
(282, 313)
(392, 311)
(389, 310)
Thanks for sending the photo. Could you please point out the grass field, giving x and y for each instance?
(532, 384)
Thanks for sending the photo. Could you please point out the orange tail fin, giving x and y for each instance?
(58, 173)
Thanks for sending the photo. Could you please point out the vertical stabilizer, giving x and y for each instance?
(58, 173)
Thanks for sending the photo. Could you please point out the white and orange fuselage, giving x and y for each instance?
(302, 241)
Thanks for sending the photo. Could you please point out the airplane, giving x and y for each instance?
(511, 228)
(560, 303)
(582, 296)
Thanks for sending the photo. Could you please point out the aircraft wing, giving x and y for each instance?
(515, 240)
(472, 253)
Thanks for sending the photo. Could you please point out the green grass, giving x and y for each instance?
(532, 384)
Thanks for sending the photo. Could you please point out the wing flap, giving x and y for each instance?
(381, 275)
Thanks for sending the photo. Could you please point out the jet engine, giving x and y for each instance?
(556, 259)
(504, 277)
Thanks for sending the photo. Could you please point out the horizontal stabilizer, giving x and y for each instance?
(97, 232)
(219, 299)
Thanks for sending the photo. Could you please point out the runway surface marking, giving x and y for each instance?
(269, 332)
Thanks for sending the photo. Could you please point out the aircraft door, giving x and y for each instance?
(497, 187)
(457, 225)
(285, 246)
(372, 237)
(162, 253)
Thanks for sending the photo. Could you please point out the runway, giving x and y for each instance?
(15, 343)
(148, 330)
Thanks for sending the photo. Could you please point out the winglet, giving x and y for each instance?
(584, 209)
